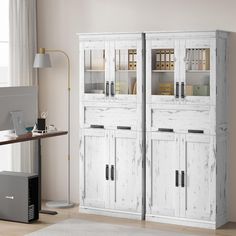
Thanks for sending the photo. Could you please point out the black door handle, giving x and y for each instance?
(107, 88)
(177, 90)
(176, 178)
(97, 126)
(112, 89)
(182, 90)
(112, 173)
(107, 172)
(182, 179)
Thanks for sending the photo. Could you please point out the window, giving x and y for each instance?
(4, 43)
(5, 151)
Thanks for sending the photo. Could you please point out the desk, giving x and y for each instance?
(6, 137)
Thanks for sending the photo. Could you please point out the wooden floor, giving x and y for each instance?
(19, 229)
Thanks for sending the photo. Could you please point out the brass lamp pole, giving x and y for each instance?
(42, 60)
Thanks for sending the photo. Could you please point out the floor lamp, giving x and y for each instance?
(42, 60)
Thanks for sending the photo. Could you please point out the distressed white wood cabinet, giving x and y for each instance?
(111, 133)
(186, 129)
(167, 90)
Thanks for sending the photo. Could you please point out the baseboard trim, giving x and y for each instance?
(108, 212)
(181, 221)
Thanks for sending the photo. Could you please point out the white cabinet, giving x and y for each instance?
(111, 172)
(180, 177)
(111, 121)
(180, 169)
(186, 128)
(168, 89)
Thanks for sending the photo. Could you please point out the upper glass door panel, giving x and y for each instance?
(94, 71)
(163, 67)
(197, 71)
(125, 71)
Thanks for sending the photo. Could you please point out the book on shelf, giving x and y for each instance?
(172, 59)
(163, 60)
(196, 59)
(167, 59)
(200, 59)
(158, 60)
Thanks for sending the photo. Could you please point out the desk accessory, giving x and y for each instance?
(42, 60)
(17, 119)
(41, 124)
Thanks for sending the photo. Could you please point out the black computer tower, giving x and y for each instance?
(19, 196)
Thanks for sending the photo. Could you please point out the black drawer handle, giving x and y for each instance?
(124, 127)
(112, 172)
(97, 126)
(182, 90)
(165, 130)
(112, 89)
(176, 178)
(177, 90)
(107, 88)
(107, 172)
(196, 131)
(182, 179)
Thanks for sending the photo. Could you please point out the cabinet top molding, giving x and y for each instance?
(110, 36)
(187, 34)
(151, 34)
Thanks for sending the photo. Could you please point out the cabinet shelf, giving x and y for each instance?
(197, 71)
(94, 70)
(163, 71)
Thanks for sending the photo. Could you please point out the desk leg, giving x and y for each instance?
(40, 183)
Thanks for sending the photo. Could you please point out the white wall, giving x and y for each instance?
(60, 20)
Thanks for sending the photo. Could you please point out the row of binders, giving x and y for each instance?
(164, 59)
(198, 59)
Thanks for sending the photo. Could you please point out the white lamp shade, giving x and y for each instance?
(42, 61)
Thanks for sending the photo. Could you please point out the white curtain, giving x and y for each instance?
(23, 45)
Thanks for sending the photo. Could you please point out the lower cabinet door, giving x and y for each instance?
(162, 183)
(126, 171)
(94, 168)
(198, 169)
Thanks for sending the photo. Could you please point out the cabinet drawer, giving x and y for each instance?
(180, 119)
(110, 117)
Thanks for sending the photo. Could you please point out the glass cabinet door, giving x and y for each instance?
(163, 67)
(126, 69)
(197, 72)
(94, 71)
(125, 72)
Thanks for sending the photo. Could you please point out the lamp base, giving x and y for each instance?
(59, 204)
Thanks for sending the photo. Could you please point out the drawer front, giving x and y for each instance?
(110, 117)
(181, 120)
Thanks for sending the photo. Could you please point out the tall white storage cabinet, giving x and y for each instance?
(186, 129)
(111, 124)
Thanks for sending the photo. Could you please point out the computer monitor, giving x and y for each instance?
(18, 99)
